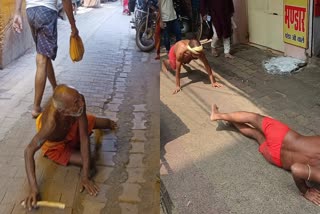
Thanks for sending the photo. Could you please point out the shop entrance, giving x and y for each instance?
(266, 23)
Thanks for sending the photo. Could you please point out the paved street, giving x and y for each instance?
(208, 167)
(118, 82)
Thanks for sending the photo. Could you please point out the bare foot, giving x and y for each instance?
(177, 90)
(164, 67)
(112, 125)
(214, 111)
(214, 52)
(229, 56)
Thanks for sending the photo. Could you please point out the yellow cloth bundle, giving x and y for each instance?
(76, 48)
(195, 50)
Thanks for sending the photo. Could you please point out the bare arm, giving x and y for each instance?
(302, 173)
(85, 154)
(29, 152)
(67, 6)
(179, 55)
(205, 62)
(84, 143)
(17, 20)
(18, 6)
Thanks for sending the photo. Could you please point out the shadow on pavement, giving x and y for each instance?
(169, 131)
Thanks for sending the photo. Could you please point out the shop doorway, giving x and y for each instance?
(266, 23)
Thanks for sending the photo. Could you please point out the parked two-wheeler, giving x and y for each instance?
(140, 11)
(146, 28)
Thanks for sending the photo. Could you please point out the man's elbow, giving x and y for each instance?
(28, 151)
(297, 169)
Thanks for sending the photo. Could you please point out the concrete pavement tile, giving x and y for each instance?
(90, 207)
(113, 107)
(117, 101)
(138, 115)
(127, 69)
(123, 75)
(121, 79)
(59, 174)
(105, 158)
(135, 161)
(108, 145)
(6, 208)
(137, 148)
(139, 108)
(303, 120)
(120, 89)
(138, 136)
(104, 190)
(139, 124)
(127, 208)
(135, 175)
(103, 173)
(73, 174)
(112, 115)
(68, 194)
(119, 95)
(51, 191)
(130, 193)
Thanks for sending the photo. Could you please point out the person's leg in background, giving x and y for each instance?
(176, 29)
(215, 38)
(166, 36)
(157, 38)
(226, 46)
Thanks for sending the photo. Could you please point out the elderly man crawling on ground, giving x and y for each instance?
(64, 128)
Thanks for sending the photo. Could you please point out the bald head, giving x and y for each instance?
(62, 96)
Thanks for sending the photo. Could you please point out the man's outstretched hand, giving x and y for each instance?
(89, 186)
(177, 90)
(216, 85)
(313, 195)
(31, 201)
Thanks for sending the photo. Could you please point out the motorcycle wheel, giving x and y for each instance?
(145, 41)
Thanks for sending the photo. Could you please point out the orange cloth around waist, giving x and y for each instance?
(54, 150)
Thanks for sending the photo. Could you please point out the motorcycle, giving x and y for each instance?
(146, 28)
(139, 12)
(188, 24)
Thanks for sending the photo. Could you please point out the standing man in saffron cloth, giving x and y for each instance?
(43, 17)
(221, 12)
(281, 146)
(183, 52)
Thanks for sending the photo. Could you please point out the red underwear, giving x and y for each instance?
(274, 132)
(172, 58)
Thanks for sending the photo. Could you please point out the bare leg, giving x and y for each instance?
(250, 132)
(165, 65)
(238, 117)
(104, 123)
(226, 45)
(40, 83)
(75, 158)
(51, 75)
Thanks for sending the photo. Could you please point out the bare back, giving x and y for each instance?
(297, 148)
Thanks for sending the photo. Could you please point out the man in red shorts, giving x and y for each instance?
(63, 128)
(281, 146)
(182, 53)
